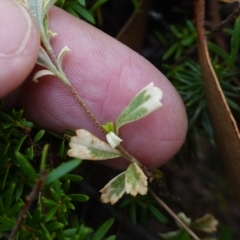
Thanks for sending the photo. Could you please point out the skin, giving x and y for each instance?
(105, 73)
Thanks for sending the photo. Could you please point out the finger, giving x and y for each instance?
(107, 75)
(19, 45)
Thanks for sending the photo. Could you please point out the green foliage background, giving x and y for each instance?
(25, 153)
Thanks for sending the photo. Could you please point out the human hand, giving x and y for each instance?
(106, 75)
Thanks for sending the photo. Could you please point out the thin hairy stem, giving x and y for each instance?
(173, 215)
(80, 101)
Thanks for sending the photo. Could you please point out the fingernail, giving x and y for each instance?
(15, 27)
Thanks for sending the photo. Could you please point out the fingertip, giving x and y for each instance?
(107, 75)
(19, 45)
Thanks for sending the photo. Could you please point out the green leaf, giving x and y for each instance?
(15, 210)
(39, 135)
(70, 206)
(218, 51)
(6, 224)
(82, 12)
(170, 51)
(62, 150)
(109, 127)
(30, 152)
(2, 208)
(19, 190)
(26, 166)
(97, 4)
(101, 231)
(82, 2)
(44, 157)
(9, 196)
(135, 180)
(83, 231)
(61, 170)
(113, 237)
(136, 4)
(184, 236)
(87, 146)
(72, 177)
(19, 143)
(78, 197)
(45, 235)
(157, 214)
(50, 214)
(66, 186)
(26, 124)
(114, 190)
(5, 178)
(36, 215)
(54, 226)
(145, 102)
(132, 211)
(226, 233)
(54, 194)
(6, 117)
(71, 11)
(141, 204)
(49, 203)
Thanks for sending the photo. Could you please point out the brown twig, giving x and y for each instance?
(173, 215)
(29, 199)
(215, 21)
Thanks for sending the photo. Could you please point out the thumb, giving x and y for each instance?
(19, 45)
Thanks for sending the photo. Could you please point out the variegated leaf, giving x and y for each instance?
(145, 102)
(135, 180)
(114, 190)
(87, 146)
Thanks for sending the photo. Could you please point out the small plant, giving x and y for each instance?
(51, 203)
(85, 145)
(55, 182)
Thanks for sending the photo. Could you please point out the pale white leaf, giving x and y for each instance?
(114, 190)
(171, 235)
(87, 146)
(145, 102)
(60, 58)
(51, 34)
(113, 140)
(45, 61)
(135, 180)
(208, 224)
(184, 219)
(41, 73)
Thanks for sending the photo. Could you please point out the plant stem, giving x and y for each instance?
(28, 203)
(173, 215)
(95, 120)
